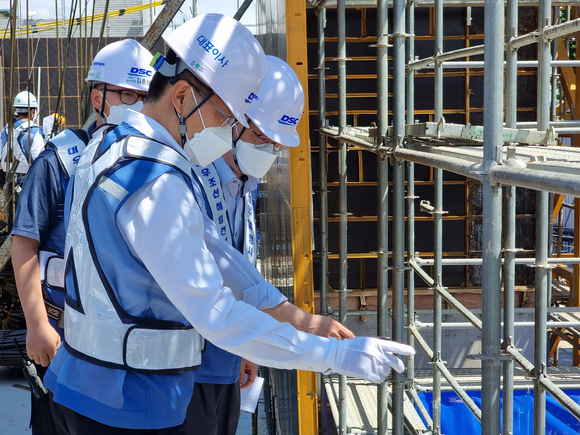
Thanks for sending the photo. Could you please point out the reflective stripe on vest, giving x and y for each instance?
(250, 242)
(112, 342)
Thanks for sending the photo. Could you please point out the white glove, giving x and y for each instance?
(368, 358)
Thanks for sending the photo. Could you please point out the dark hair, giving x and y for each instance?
(160, 83)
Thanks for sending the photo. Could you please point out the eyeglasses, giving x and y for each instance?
(128, 97)
(263, 142)
(261, 139)
(229, 121)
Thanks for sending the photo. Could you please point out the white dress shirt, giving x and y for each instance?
(234, 190)
(164, 227)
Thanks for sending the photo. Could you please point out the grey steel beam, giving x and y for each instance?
(242, 10)
(398, 227)
(382, 199)
(322, 164)
(342, 199)
(476, 133)
(160, 24)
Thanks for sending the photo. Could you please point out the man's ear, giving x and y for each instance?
(97, 99)
(181, 96)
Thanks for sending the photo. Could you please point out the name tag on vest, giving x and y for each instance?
(211, 183)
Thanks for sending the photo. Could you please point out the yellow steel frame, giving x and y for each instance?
(300, 203)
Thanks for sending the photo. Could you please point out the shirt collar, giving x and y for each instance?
(152, 129)
(224, 171)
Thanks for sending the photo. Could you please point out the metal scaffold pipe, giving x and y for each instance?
(322, 164)
(442, 57)
(492, 216)
(437, 227)
(458, 64)
(410, 275)
(542, 216)
(382, 199)
(398, 226)
(478, 261)
(342, 200)
(545, 34)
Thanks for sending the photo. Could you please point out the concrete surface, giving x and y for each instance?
(15, 407)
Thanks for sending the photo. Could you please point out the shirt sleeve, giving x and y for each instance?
(164, 226)
(37, 144)
(242, 278)
(40, 202)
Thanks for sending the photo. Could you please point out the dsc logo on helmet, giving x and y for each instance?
(288, 120)
(251, 98)
(140, 72)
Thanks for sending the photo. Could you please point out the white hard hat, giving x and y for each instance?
(225, 55)
(123, 63)
(23, 99)
(279, 104)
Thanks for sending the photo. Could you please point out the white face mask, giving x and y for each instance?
(254, 161)
(117, 113)
(209, 144)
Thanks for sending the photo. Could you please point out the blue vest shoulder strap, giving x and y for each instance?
(68, 147)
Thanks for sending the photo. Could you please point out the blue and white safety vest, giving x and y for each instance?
(68, 147)
(21, 143)
(219, 366)
(101, 270)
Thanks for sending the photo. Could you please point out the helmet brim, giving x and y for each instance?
(289, 140)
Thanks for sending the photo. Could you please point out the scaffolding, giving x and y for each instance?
(502, 155)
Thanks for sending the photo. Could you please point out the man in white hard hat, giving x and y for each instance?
(39, 231)
(142, 282)
(275, 108)
(27, 139)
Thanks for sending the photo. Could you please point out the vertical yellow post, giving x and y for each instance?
(300, 203)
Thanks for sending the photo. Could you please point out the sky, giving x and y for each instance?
(47, 9)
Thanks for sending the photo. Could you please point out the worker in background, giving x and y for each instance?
(215, 405)
(142, 283)
(39, 234)
(27, 141)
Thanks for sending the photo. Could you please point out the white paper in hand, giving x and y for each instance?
(249, 396)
